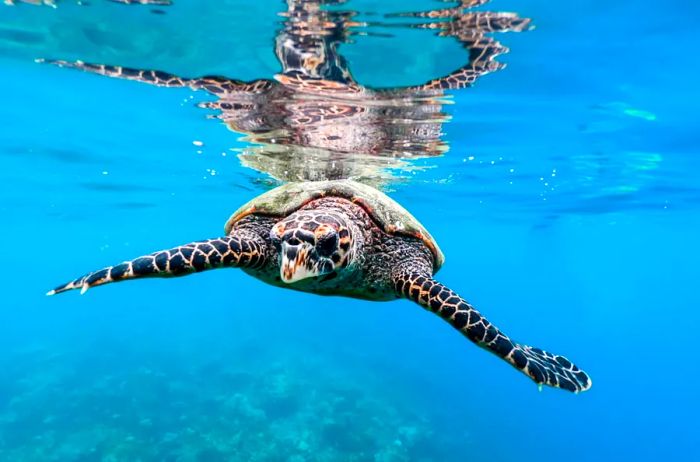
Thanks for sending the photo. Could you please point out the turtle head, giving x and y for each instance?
(313, 243)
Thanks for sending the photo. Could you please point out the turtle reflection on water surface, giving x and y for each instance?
(340, 238)
(313, 121)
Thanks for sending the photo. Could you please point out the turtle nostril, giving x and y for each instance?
(291, 252)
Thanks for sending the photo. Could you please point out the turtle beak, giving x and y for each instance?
(295, 262)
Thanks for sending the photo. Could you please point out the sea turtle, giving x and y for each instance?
(340, 238)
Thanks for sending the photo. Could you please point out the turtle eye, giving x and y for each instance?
(327, 244)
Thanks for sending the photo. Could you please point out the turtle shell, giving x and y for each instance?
(386, 212)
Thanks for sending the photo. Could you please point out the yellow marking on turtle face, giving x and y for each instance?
(322, 230)
(279, 229)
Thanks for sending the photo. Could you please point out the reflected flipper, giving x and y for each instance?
(230, 251)
(541, 366)
(470, 30)
(441, 12)
(144, 2)
(481, 61)
(52, 3)
(159, 78)
(469, 26)
(213, 84)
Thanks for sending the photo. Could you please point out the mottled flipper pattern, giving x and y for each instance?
(229, 251)
(471, 29)
(52, 3)
(541, 366)
(213, 83)
(442, 12)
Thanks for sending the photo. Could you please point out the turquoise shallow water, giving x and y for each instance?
(567, 206)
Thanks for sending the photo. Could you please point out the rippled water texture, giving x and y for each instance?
(550, 150)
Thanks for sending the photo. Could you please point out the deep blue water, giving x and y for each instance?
(567, 206)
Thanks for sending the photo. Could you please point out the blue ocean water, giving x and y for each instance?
(566, 204)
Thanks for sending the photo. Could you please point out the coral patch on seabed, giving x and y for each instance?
(113, 406)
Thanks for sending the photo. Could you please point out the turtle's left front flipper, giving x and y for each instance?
(230, 251)
(541, 366)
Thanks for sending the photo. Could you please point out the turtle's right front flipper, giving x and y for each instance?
(230, 251)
